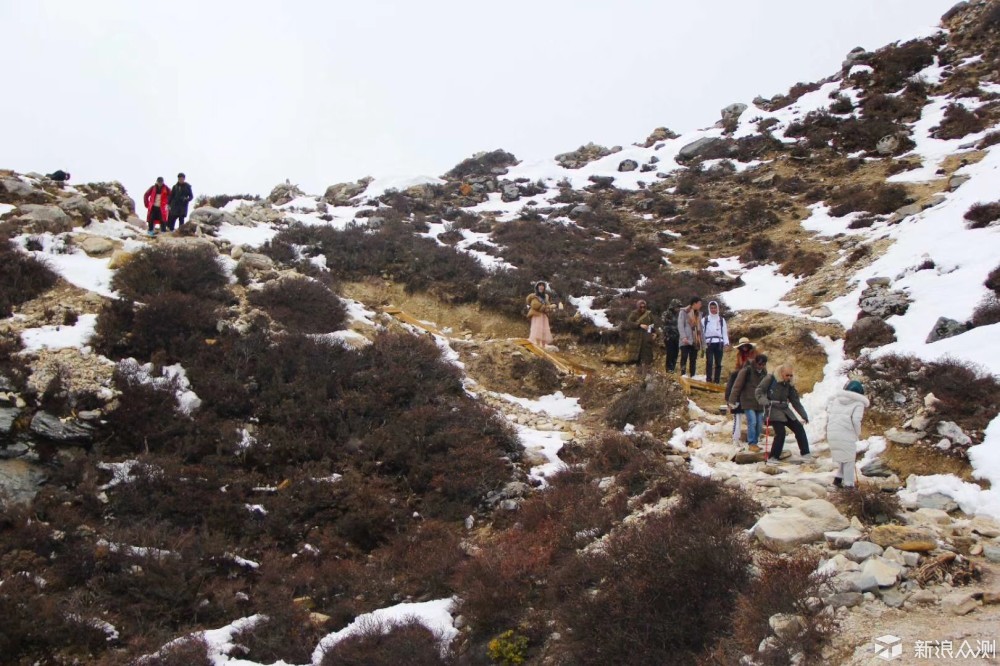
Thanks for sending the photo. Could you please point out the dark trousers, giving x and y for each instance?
(175, 217)
(689, 357)
(155, 215)
(779, 437)
(713, 362)
(673, 351)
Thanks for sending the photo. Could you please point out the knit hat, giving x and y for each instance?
(855, 386)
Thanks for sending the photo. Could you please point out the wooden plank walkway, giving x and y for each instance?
(689, 384)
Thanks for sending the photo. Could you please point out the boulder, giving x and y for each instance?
(510, 193)
(844, 600)
(657, 135)
(856, 55)
(212, 217)
(78, 206)
(628, 165)
(876, 468)
(786, 626)
(119, 258)
(957, 181)
(893, 597)
(854, 581)
(862, 550)
(897, 436)
(903, 538)
(16, 187)
(879, 281)
(731, 114)
(929, 516)
(938, 501)
(8, 415)
(19, 481)
(39, 218)
(702, 147)
(104, 208)
(986, 526)
(822, 312)
(952, 431)
(960, 603)
(887, 145)
(883, 571)
(945, 328)
(784, 530)
(584, 155)
(882, 302)
(342, 193)
(51, 427)
(991, 551)
(255, 261)
(843, 538)
(284, 192)
(96, 246)
(602, 182)
(748, 457)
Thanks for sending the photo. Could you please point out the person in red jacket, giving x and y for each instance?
(156, 200)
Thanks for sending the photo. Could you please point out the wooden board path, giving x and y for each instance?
(412, 321)
(689, 384)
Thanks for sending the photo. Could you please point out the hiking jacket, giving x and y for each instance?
(744, 391)
(689, 332)
(150, 196)
(536, 306)
(180, 196)
(669, 324)
(780, 392)
(714, 328)
(843, 425)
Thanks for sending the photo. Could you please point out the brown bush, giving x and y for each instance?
(760, 248)
(302, 305)
(643, 404)
(991, 139)
(422, 561)
(22, 277)
(802, 263)
(993, 280)
(987, 312)
(679, 573)
(783, 585)
(753, 215)
(285, 635)
(982, 215)
(192, 270)
(175, 323)
(880, 199)
(868, 503)
(482, 165)
(895, 64)
(868, 332)
(958, 122)
(841, 104)
(377, 644)
(190, 651)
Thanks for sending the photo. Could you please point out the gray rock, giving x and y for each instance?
(748, 457)
(887, 145)
(937, 501)
(765, 180)
(342, 193)
(822, 312)
(784, 530)
(51, 427)
(731, 114)
(259, 262)
(957, 181)
(902, 437)
(885, 572)
(991, 551)
(700, 148)
(854, 581)
(515, 489)
(951, 430)
(284, 192)
(212, 217)
(7, 417)
(959, 603)
(16, 187)
(893, 597)
(602, 181)
(786, 626)
(857, 54)
(878, 468)
(882, 302)
(16, 450)
(904, 212)
(945, 328)
(843, 538)
(77, 206)
(862, 550)
(879, 282)
(583, 155)
(844, 600)
(628, 165)
(510, 193)
(44, 218)
(986, 526)
(580, 209)
(97, 246)
(19, 481)
(923, 597)
(6, 384)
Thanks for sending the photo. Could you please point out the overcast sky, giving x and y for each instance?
(242, 95)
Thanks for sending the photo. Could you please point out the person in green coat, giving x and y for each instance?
(640, 335)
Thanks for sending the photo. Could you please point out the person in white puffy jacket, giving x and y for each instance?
(843, 430)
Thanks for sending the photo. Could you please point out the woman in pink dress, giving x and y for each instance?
(539, 307)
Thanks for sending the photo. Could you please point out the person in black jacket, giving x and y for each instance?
(778, 397)
(671, 337)
(59, 176)
(180, 196)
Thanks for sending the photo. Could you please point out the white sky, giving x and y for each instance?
(241, 95)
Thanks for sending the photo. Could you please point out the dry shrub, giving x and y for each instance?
(958, 122)
(680, 573)
(285, 635)
(302, 305)
(22, 277)
(189, 651)
(783, 585)
(983, 214)
(192, 270)
(760, 248)
(880, 199)
(504, 290)
(378, 644)
(666, 284)
(422, 561)
(868, 503)
(701, 495)
(753, 215)
(991, 139)
(482, 165)
(174, 323)
(145, 419)
(643, 403)
(895, 64)
(993, 281)
(987, 312)
(868, 332)
(802, 263)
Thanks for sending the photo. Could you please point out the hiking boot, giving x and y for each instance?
(150, 233)
(772, 462)
(808, 458)
(837, 481)
(753, 448)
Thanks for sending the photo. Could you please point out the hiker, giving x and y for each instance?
(155, 200)
(777, 395)
(745, 352)
(59, 176)
(743, 396)
(715, 333)
(689, 331)
(671, 337)
(843, 430)
(539, 305)
(180, 196)
(640, 335)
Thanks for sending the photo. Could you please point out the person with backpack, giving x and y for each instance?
(539, 306)
(843, 430)
(745, 352)
(640, 325)
(59, 176)
(689, 331)
(743, 396)
(156, 199)
(180, 197)
(715, 334)
(671, 337)
(778, 396)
